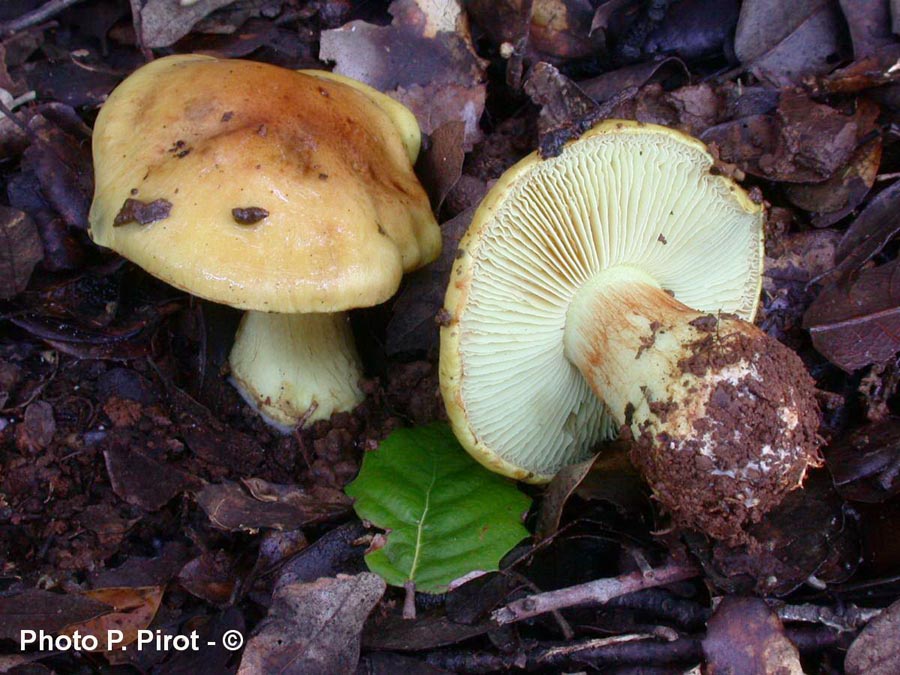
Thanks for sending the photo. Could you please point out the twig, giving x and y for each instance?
(640, 650)
(35, 17)
(593, 592)
(850, 618)
(564, 626)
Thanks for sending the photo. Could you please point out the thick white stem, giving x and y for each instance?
(724, 418)
(296, 368)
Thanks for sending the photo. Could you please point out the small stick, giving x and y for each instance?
(851, 618)
(593, 592)
(35, 17)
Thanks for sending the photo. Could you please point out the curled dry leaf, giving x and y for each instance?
(869, 23)
(844, 191)
(440, 165)
(868, 72)
(803, 142)
(313, 628)
(856, 322)
(142, 481)
(558, 492)
(39, 425)
(864, 465)
(210, 577)
(783, 42)
(133, 611)
(163, 22)
(566, 111)
(745, 636)
(694, 29)
(282, 507)
(20, 250)
(413, 325)
(561, 29)
(42, 610)
(60, 157)
(424, 59)
(876, 651)
(869, 233)
(606, 85)
(608, 477)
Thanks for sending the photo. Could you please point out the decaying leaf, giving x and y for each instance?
(38, 426)
(440, 165)
(745, 636)
(803, 142)
(60, 157)
(607, 85)
(866, 464)
(869, 233)
(874, 70)
(41, 610)
(133, 610)
(141, 480)
(446, 515)
(876, 651)
(870, 25)
(282, 507)
(415, 314)
(20, 251)
(783, 42)
(164, 22)
(856, 322)
(608, 477)
(338, 551)
(566, 111)
(844, 191)
(313, 628)
(211, 577)
(424, 59)
(558, 492)
(694, 29)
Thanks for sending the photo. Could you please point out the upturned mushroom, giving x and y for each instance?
(288, 194)
(610, 289)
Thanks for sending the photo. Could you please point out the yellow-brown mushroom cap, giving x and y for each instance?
(330, 214)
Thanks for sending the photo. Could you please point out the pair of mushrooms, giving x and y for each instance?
(605, 290)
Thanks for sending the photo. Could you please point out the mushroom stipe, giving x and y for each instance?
(570, 323)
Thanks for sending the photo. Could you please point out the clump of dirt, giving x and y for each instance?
(752, 446)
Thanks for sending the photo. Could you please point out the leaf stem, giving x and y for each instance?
(409, 602)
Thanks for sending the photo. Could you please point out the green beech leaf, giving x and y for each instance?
(445, 515)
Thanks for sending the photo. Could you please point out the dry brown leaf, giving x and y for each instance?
(745, 636)
(313, 628)
(856, 322)
(20, 250)
(282, 507)
(876, 651)
(42, 610)
(163, 22)
(783, 42)
(133, 611)
(424, 59)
